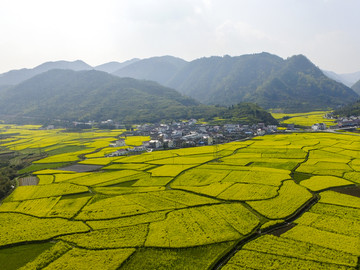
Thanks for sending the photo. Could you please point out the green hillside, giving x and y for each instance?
(349, 110)
(294, 84)
(87, 95)
(301, 86)
(224, 80)
(96, 95)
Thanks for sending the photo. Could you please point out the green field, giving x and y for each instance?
(184, 208)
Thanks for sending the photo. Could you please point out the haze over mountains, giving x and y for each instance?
(349, 79)
(115, 66)
(356, 87)
(294, 84)
(14, 77)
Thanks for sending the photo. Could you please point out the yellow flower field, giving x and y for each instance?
(281, 201)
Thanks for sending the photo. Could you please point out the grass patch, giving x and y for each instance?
(15, 257)
(42, 166)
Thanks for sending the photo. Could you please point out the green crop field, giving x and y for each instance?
(283, 201)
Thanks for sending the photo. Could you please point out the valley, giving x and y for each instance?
(183, 208)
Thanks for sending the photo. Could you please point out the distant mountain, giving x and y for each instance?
(356, 87)
(294, 84)
(114, 66)
(96, 95)
(349, 79)
(14, 77)
(160, 69)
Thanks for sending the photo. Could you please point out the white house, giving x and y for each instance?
(118, 143)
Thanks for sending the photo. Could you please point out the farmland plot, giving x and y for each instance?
(249, 259)
(91, 259)
(132, 236)
(317, 183)
(186, 208)
(34, 229)
(44, 191)
(291, 198)
(287, 247)
(201, 226)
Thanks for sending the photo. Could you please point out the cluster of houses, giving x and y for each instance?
(189, 134)
(352, 121)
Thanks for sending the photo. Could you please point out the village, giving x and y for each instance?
(189, 134)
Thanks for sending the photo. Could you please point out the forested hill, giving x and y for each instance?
(294, 84)
(88, 95)
(300, 86)
(96, 95)
(225, 80)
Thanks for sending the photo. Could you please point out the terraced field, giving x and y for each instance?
(288, 201)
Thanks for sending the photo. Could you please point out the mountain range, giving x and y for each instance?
(76, 90)
(293, 84)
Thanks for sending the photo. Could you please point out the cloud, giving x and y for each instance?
(160, 11)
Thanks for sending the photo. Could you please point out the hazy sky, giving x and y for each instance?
(99, 31)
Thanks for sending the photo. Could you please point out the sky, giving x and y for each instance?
(100, 31)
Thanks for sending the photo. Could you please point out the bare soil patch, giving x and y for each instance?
(81, 168)
(29, 181)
